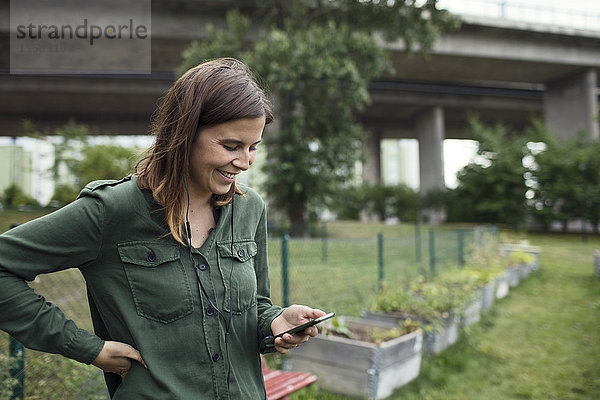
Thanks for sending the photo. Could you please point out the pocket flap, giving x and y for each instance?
(242, 251)
(147, 253)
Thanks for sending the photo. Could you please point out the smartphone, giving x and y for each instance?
(302, 327)
(269, 341)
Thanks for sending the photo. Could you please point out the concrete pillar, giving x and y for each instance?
(430, 132)
(571, 105)
(372, 166)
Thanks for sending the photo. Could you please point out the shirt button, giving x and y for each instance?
(151, 257)
(210, 311)
(202, 267)
(216, 357)
(241, 253)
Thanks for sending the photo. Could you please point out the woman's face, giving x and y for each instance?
(222, 151)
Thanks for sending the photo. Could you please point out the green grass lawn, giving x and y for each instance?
(541, 342)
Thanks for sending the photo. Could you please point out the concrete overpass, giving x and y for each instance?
(500, 70)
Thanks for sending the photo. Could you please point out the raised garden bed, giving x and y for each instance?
(360, 366)
(488, 295)
(472, 312)
(438, 335)
(502, 285)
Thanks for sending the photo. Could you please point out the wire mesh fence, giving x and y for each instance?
(51, 376)
(343, 275)
(340, 275)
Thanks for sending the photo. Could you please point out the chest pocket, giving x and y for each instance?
(243, 278)
(158, 282)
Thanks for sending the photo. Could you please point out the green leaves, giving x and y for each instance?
(105, 162)
(492, 189)
(566, 181)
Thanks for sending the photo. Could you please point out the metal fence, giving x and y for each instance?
(340, 275)
(343, 275)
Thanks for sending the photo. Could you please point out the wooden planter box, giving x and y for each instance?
(506, 249)
(597, 263)
(488, 295)
(357, 368)
(444, 334)
(514, 275)
(472, 312)
(525, 270)
(502, 286)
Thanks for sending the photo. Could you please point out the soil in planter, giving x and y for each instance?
(369, 334)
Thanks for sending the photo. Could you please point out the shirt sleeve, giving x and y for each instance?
(67, 238)
(267, 312)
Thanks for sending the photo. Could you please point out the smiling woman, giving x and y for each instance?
(174, 256)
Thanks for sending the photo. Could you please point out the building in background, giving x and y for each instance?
(16, 168)
(400, 162)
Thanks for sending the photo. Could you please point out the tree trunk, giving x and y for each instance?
(296, 217)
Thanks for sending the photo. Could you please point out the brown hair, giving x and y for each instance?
(211, 93)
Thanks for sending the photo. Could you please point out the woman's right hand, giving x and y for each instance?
(116, 357)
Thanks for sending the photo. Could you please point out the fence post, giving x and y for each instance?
(418, 241)
(431, 252)
(461, 247)
(380, 258)
(17, 351)
(324, 241)
(285, 283)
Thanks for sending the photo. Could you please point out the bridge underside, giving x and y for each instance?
(498, 73)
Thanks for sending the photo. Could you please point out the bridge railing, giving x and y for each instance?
(539, 13)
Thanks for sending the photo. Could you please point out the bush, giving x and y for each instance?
(384, 201)
(349, 202)
(105, 162)
(64, 194)
(98, 162)
(14, 197)
(405, 203)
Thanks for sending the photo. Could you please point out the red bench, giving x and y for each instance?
(280, 384)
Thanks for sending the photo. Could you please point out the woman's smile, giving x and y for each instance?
(229, 177)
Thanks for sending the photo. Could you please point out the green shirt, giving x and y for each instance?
(143, 289)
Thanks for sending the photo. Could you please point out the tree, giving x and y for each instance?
(95, 163)
(493, 188)
(68, 141)
(77, 163)
(105, 162)
(566, 181)
(318, 69)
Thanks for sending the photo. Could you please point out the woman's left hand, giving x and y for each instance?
(293, 316)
